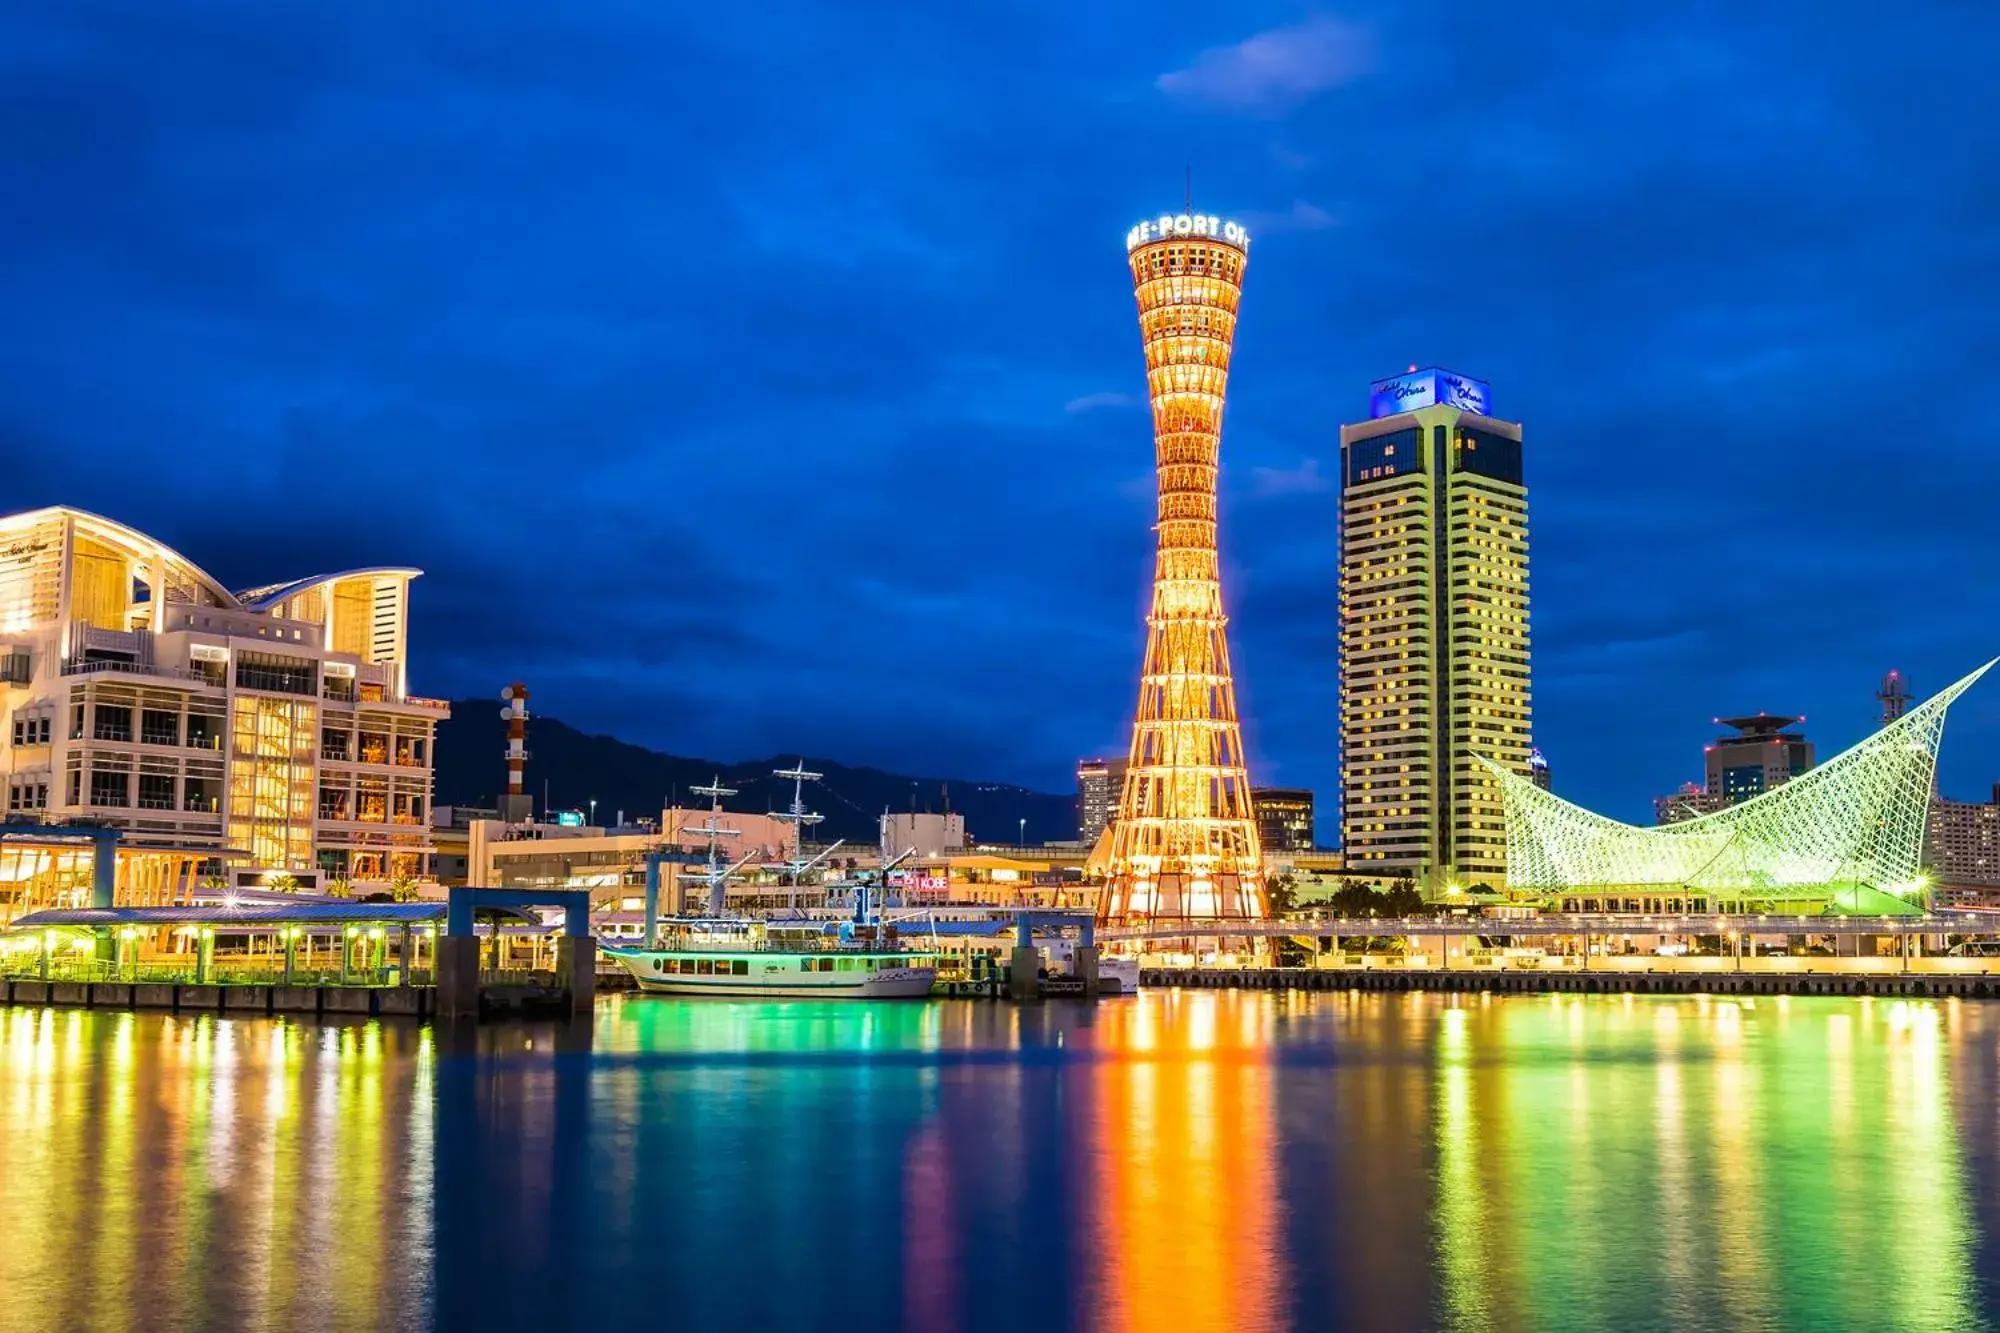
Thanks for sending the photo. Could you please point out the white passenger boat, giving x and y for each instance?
(760, 959)
(784, 958)
(1118, 976)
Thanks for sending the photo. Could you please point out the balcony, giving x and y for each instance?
(102, 732)
(94, 668)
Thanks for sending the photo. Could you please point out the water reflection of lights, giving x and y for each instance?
(1182, 1148)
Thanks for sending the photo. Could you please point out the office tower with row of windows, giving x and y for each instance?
(1099, 783)
(1434, 636)
(1284, 818)
(1756, 755)
(1962, 841)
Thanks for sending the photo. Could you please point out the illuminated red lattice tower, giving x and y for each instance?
(1184, 846)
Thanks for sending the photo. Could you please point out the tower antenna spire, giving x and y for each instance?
(1187, 200)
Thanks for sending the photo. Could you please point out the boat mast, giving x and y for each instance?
(800, 819)
(716, 876)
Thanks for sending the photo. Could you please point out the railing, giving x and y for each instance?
(102, 732)
(342, 693)
(338, 753)
(79, 668)
(156, 802)
(184, 971)
(435, 705)
(160, 737)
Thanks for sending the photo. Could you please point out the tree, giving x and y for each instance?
(282, 883)
(1280, 895)
(403, 889)
(1402, 899)
(341, 887)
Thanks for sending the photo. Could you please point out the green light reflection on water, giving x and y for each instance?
(1700, 1161)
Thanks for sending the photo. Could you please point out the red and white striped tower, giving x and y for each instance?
(516, 808)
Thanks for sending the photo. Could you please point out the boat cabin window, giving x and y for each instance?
(740, 967)
(704, 967)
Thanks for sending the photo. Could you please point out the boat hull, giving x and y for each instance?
(776, 977)
(1118, 976)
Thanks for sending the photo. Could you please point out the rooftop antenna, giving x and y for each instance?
(1187, 205)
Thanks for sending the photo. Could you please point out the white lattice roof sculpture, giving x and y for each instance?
(1857, 819)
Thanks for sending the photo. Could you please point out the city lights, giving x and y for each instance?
(1184, 846)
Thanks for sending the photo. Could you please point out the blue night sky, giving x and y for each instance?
(765, 378)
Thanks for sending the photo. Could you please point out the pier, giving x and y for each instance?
(1979, 985)
(313, 956)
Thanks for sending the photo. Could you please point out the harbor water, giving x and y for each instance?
(1178, 1160)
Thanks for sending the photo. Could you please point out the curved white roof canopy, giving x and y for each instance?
(1856, 819)
(268, 596)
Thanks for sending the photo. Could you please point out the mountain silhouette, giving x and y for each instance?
(579, 768)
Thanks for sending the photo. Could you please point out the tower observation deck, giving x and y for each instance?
(1184, 845)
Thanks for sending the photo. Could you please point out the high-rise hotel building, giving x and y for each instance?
(1434, 630)
(271, 727)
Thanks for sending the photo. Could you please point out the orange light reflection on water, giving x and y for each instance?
(1184, 1197)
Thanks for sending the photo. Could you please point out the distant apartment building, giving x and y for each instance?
(273, 726)
(1760, 754)
(1099, 785)
(1962, 841)
(1284, 818)
(1538, 770)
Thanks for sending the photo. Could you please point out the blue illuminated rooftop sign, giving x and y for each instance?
(1428, 388)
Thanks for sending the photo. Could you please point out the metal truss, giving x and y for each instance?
(1184, 845)
(1857, 819)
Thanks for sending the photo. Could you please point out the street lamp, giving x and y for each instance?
(593, 812)
(1024, 834)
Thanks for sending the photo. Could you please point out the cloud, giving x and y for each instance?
(1277, 69)
(1301, 216)
(1090, 402)
(1267, 483)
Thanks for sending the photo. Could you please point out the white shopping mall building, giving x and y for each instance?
(274, 724)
